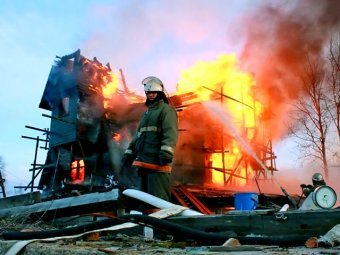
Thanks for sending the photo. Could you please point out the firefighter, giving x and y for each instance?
(317, 180)
(152, 148)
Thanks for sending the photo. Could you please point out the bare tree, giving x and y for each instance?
(2, 164)
(311, 115)
(2, 180)
(334, 82)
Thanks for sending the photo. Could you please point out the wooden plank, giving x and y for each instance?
(69, 206)
(242, 248)
(267, 224)
(24, 199)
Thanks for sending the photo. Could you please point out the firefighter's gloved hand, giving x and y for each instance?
(127, 160)
(165, 161)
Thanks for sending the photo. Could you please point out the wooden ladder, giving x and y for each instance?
(187, 199)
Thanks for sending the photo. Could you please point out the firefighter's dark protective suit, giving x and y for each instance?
(153, 146)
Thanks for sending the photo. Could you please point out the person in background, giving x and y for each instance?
(152, 147)
(317, 180)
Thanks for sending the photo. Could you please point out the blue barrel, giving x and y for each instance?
(245, 201)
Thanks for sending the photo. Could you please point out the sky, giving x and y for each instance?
(143, 38)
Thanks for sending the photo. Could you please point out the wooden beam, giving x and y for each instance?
(20, 200)
(69, 206)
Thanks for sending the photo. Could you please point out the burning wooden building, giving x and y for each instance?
(222, 141)
(223, 144)
(82, 130)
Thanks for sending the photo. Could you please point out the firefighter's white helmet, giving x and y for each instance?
(153, 84)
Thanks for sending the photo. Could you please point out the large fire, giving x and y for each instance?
(222, 80)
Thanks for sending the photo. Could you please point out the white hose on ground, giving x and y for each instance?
(156, 201)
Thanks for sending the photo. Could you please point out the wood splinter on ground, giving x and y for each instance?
(92, 237)
(231, 242)
(312, 242)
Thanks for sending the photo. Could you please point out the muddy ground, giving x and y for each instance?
(139, 245)
(131, 241)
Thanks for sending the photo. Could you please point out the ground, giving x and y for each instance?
(118, 242)
(139, 245)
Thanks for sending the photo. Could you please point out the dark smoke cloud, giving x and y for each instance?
(277, 41)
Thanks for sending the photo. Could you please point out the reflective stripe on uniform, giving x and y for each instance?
(151, 166)
(128, 151)
(167, 148)
(148, 129)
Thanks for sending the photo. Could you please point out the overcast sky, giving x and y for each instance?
(143, 38)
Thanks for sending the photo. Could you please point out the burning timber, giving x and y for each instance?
(94, 114)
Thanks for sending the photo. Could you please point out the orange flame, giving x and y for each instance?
(113, 97)
(117, 137)
(77, 171)
(223, 80)
(229, 168)
(110, 88)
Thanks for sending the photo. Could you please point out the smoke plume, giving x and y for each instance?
(278, 40)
